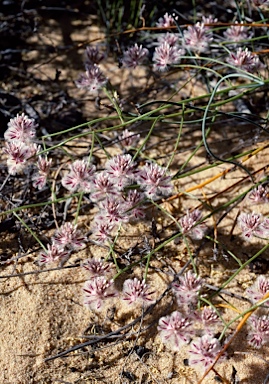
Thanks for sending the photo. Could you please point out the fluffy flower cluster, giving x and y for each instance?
(197, 38)
(101, 287)
(258, 325)
(208, 320)
(181, 326)
(167, 53)
(237, 33)
(258, 195)
(93, 78)
(253, 224)
(175, 330)
(134, 56)
(258, 334)
(97, 290)
(192, 225)
(66, 239)
(19, 146)
(167, 21)
(245, 60)
(128, 139)
(186, 290)
(203, 352)
(136, 291)
(109, 190)
(21, 150)
(259, 289)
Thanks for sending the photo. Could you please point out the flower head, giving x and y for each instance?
(258, 195)
(134, 56)
(128, 139)
(20, 128)
(197, 38)
(154, 180)
(69, 236)
(236, 33)
(189, 224)
(93, 56)
(40, 178)
(120, 169)
(80, 176)
(97, 267)
(175, 330)
(113, 211)
(136, 291)
(243, 59)
(102, 186)
(257, 291)
(258, 334)
(166, 55)
(209, 20)
(93, 79)
(171, 39)
(187, 288)
(133, 204)
(97, 290)
(52, 254)
(208, 319)
(18, 154)
(204, 351)
(102, 229)
(166, 21)
(251, 225)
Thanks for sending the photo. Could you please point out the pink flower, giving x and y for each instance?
(93, 56)
(121, 170)
(18, 155)
(171, 39)
(102, 229)
(197, 38)
(69, 236)
(135, 291)
(237, 33)
(204, 352)
(80, 176)
(93, 79)
(154, 180)
(175, 330)
(166, 21)
(113, 211)
(134, 56)
(133, 206)
(187, 289)
(189, 225)
(209, 20)
(258, 195)
(257, 291)
(97, 290)
(21, 128)
(53, 253)
(251, 225)
(207, 319)
(40, 178)
(259, 331)
(166, 55)
(128, 139)
(243, 59)
(102, 186)
(97, 267)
